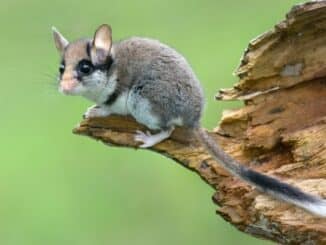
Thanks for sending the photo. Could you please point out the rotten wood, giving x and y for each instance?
(280, 131)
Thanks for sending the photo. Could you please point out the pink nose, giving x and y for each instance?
(68, 85)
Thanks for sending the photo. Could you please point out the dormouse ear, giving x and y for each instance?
(60, 42)
(101, 45)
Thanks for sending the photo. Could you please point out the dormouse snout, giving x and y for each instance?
(68, 86)
(68, 82)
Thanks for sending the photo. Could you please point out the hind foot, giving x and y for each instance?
(149, 139)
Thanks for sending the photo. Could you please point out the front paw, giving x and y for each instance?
(96, 111)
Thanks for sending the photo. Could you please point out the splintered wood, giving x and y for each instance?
(280, 131)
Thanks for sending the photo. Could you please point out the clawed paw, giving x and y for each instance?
(95, 111)
(146, 138)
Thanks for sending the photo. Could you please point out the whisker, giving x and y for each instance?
(48, 82)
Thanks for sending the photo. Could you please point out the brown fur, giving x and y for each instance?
(74, 53)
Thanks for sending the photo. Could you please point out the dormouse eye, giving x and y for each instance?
(62, 68)
(85, 67)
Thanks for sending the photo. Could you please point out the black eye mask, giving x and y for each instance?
(105, 66)
(84, 68)
(62, 68)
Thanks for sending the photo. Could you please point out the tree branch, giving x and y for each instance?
(280, 131)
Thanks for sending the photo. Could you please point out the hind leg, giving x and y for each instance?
(152, 105)
(149, 139)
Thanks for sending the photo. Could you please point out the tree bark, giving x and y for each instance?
(280, 130)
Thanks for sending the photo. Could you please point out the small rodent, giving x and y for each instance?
(154, 84)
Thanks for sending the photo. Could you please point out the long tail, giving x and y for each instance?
(264, 183)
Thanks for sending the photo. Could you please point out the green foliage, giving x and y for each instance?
(57, 188)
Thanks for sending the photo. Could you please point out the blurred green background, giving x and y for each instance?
(58, 188)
